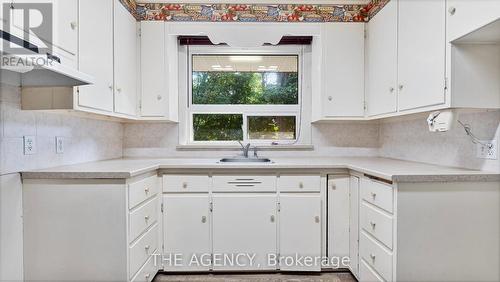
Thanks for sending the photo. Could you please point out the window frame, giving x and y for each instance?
(245, 109)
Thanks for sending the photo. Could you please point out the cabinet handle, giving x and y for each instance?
(452, 10)
(301, 185)
(146, 248)
(110, 87)
(73, 25)
(158, 97)
(203, 219)
(272, 218)
(391, 89)
(147, 276)
(401, 87)
(184, 185)
(316, 219)
(373, 224)
(330, 98)
(146, 217)
(118, 89)
(374, 195)
(146, 190)
(372, 256)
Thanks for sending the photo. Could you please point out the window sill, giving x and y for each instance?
(192, 147)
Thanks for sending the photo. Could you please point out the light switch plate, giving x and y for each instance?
(29, 145)
(485, 152)
(59, 145)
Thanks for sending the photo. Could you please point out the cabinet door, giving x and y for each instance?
(66, 25)
(96, 25)
(186, 231)
(382, 61)
(465, 16)
(299, 218)
(125, 53)
(338, 217)
(354, 225)
(244, 224)
(421, 49)
(154, 95)
(343, 70)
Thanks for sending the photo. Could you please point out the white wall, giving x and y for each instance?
(84, 140)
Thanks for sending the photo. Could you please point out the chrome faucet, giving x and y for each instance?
(244, 148)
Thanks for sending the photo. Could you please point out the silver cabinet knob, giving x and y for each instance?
(374, 195)
(203, 219)
(401, 87)
(316, 219)
(147, 247)
(373, 224)
(372, 256)
(452, 10)
(159, 97)
(146, 190)
(391, 89)
(147, 276)
(301, 185)
(110, 87)
(73, 25)
(118, 89)
(146, 217)
(272, 218)
(330, 98)
(184, 185)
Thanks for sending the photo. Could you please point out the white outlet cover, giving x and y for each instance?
(29, 145)
(483, 152)
(59, 145)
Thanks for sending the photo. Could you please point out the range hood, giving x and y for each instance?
(51, 73)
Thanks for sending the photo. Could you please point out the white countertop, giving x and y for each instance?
(389, 169)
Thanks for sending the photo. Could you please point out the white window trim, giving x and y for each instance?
(187, 109)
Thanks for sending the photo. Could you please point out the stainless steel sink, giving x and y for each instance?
(245, 160)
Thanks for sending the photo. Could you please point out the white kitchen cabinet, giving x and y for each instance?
(187, 232)
(421, 54)
(338, 216)
(159, 72)
(382, 64)
(244, 223)
(125, 62)
(96, 25)
(354, 225)
(299, 218)
(465, 16)
(342, 75)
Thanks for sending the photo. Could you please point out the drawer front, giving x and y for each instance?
(142, 190)
(299, 183)
(367, 274)
(142, 218)
(377, 193)
(377, 224)
(245, 183)
(376, 256)
(148, 271)
(186, 183)
(143, 249)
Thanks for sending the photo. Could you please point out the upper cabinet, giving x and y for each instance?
(465, 16)
(381, 61)
(125, 60)
(421, 54)
(96, 25)
(342, 72)
(158, 98)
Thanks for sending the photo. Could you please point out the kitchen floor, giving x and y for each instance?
(322, 277)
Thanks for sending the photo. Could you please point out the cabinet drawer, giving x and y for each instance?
(377, 193)
(376, 256)
(142, 218)
(148, 271)
(143, 249)
(299, 183)
(377, 224)
(367, 274)
(142, 190)
(186, 183)
(244, 183)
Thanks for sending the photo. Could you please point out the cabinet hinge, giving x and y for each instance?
(211, 206)
(365, 106)
(365, 34)
(278, 206)
(139, 32)
(445, 83)
(161, 207)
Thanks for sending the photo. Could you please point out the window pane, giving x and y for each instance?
(217, 127)
(245, 79)
(271, 127)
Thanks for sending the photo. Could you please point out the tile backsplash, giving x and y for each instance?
(84, 139)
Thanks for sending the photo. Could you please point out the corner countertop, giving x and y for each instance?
(388, 169)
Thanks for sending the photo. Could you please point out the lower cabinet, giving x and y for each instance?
(187, 233)
(244, 228)
(300, 232)
(354, 225)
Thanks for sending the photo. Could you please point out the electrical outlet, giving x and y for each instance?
(59, 145)
(29, 145)
(486, 152)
